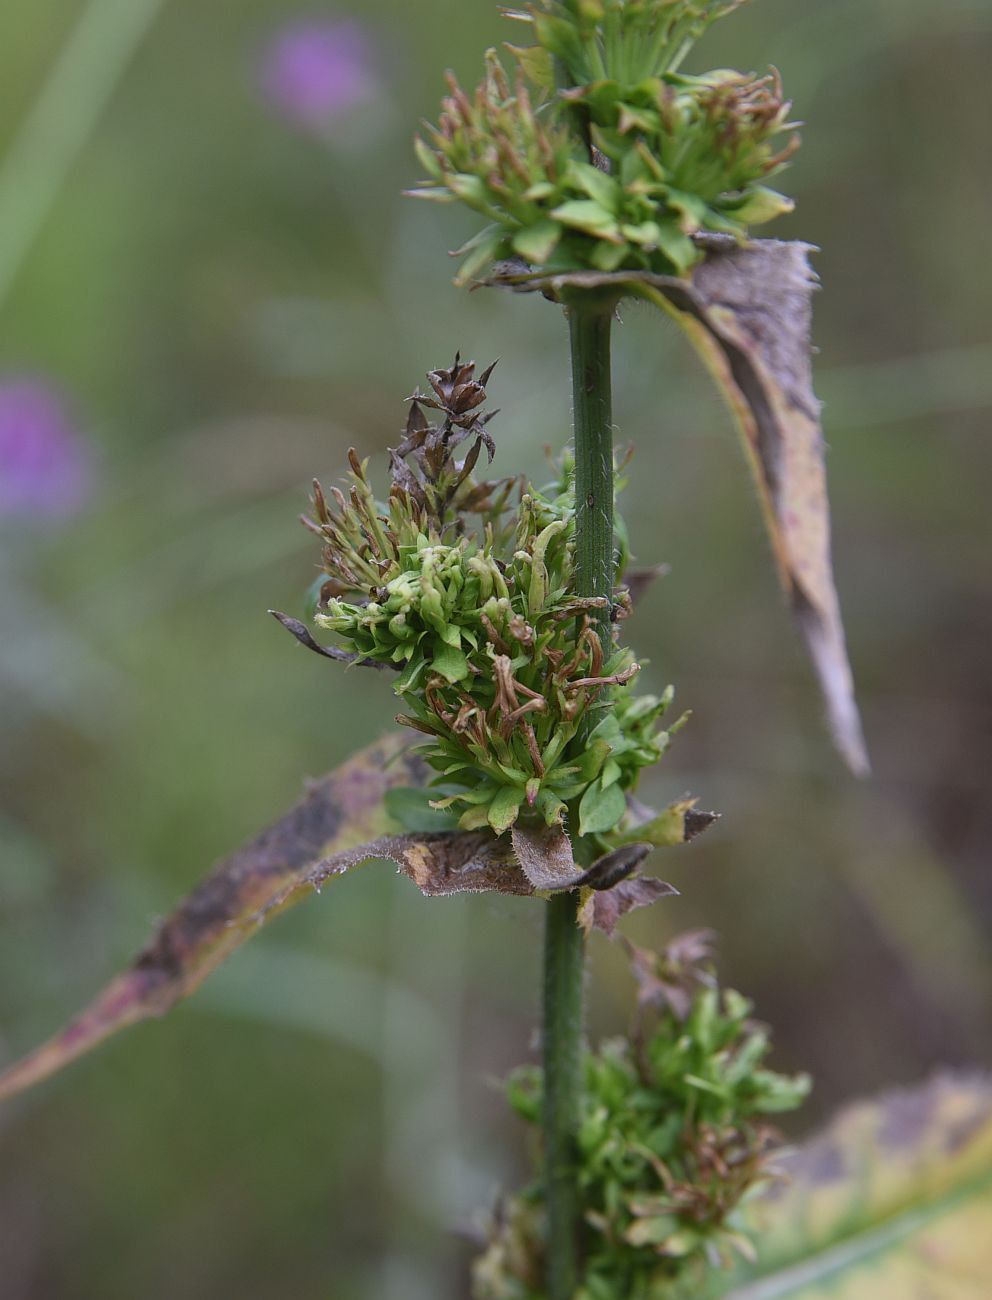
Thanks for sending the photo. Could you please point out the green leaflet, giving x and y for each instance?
(504, 807)
(535, 245)
(450, 663)
(601, 809)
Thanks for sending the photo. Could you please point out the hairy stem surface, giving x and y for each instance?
(590, 320)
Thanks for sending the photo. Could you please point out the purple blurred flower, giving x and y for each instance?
(316, 70)
(44, 465)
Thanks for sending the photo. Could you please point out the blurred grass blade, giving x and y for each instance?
(893, 1200)
(60, 121)
(339, 824)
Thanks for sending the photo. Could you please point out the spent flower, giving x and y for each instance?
(466, 587)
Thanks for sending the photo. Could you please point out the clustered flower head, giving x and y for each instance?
(466, 588)
(600, 154)
(317, 70)
(45, 466)
(674, 1137)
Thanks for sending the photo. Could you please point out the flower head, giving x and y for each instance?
(466, 588)
(673, 1138)
(618, 162)
(44, 466)
(318, 70)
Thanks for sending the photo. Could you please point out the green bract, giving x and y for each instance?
(673, 1136)
(623, 166)
(632, 39)
(467, 589)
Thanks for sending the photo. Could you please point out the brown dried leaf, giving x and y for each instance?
(601, 910)
(340, 823)
(614, 867)
(670, 978)
(747, 311)
(755, 305)
(545, 855)
(302, 633)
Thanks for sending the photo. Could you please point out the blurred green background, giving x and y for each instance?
(210, 287)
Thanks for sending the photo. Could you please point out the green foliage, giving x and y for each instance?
(467, 588)
(673, 1139)
(627, 162)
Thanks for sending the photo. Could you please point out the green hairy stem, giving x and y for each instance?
(590, 319)
(564, 962)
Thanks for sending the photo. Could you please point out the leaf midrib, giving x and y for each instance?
(856, 1249)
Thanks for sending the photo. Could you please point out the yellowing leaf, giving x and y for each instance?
(747, 311)
(892, 1202)
(679, 823)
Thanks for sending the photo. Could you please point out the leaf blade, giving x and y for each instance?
(891, 1200)
(747, 311)
(341, 822)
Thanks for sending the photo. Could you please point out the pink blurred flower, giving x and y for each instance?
(316, 70)
(44, 465)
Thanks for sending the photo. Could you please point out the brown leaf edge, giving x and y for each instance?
(340, 823)
(602, 909)
(747, 310)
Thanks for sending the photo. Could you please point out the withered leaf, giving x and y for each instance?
(670, 978)
(302, 633)
(341, 822)
(747, 311)
(545, 856)
(755, 305)
(679, 823)
(608, 871)
(602, 909)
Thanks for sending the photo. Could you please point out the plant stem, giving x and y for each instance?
(564, 960)
(590, 318)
